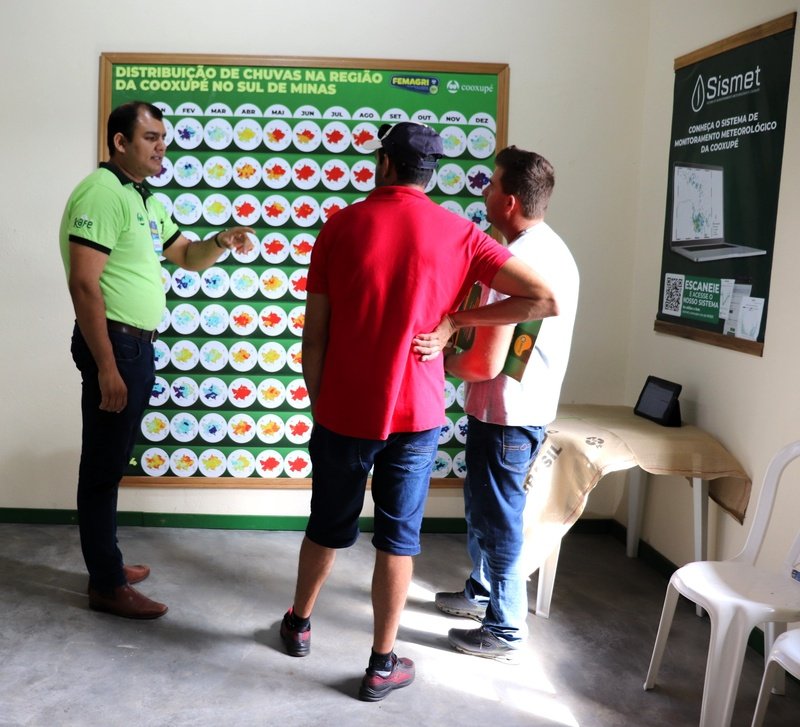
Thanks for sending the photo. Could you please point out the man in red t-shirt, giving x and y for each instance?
(382, 271)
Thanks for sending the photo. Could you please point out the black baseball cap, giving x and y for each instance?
(410, 142)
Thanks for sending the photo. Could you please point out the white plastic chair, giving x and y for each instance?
(785, 656)
(737, 595)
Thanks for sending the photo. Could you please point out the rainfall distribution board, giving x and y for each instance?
(279, 149)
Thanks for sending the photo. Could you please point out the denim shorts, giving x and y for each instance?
(402, 470)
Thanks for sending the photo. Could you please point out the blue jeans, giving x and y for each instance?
(498, 458)
(106, 445)
(400, 480)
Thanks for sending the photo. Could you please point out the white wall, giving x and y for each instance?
(591, 89)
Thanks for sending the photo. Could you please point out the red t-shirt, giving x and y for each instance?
(391, 266)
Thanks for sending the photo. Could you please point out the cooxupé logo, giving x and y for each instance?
(719, 87)
(140, 218)
(453, 86)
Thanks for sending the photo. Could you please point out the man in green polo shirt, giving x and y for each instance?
(112, 233)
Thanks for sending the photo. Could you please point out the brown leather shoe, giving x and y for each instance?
(135, 573)
(127, 602)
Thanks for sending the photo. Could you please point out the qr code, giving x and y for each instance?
(673, 294)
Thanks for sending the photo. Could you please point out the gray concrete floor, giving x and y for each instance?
(215, 658)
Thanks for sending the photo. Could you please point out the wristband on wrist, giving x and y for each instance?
(216, 242)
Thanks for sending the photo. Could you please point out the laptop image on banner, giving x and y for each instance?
(698, 215)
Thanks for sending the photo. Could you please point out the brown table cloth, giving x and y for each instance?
(586, 442)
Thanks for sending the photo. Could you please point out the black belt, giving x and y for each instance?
(132, 331)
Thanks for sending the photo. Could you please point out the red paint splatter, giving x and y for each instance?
(274, 210)
(363, 175)
(335, 136)
(276, 171)
(363, 136)
(304, 210)
(334, 174)
(299, 284)
(243, 319)
(268, 464)
(304, 136)
(270, 320)
(273, 247)
(299, 428)
(245, 209)
(304, 173)
(303, 248)
(331, 210)
(242, 392)
(276, 135)
(299, 393)
(298, 464)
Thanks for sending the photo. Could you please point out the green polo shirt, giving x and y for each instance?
(112, 214)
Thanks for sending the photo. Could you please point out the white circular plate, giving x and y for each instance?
(478, 177)
(306, 173)
(215, 282)
(294, 357)
(460, 465)
(272, 320)
(160, 355)
(362, 175)
(213, 392)
(188, 133)
(451, 178)
(269, 429)
(301, 247)
(442, 464)
(305, 211)
(330, 207)
(476, 212)
(361, 134)
(297, 319)
(213, 356)
(276, 173)
(273, 283)
(460, 394)
(212, 427)
(241, 428)
(242, 356)
(297, 464)
(184, 391)
(453, 206)
(184, 355)
(454, 141)
(184, 427)
(242, 393)
(274, 248)
(246, 211)
(218, 134)
(461, 430)
(297, 283)
(187, 208)
(248, 134)
(307, 136)
(243, 320)
(276, 210)
(272, 357)
(212, 463)
(335, 175)
(336, 137)
(297, 394)
(481, 143)
(244, 283)
(187, 171)
(271, 393)
(155, 462)
(247, 172)
(241, 463)
(250, 255)
(155, 426)
(217, 171)
(269, 463)
(184, 319)
(447, 431)
(449, 394)
(160, 394)
(217, 209)
(185, 283)
(214, 319)
(298, 428)
(277, 135)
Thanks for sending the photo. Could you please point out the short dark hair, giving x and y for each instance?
(407, 173)
(122, 120)
(529, 177)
